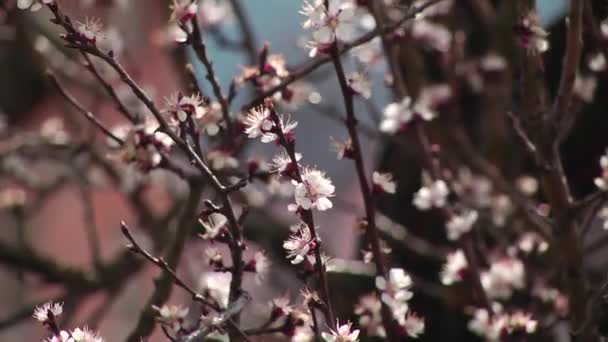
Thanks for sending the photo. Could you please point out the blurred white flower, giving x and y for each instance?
(504, 276)
(217, 286)
(602, 182)
(384, 182)
(461, 224)
(412, 324)
(33, 5)
(368, 309)
(454, 268)
(396, 291)
(360, 84)
(214, 225)
(342, 333)
(85, 335)
(434, 195)
(220, 159)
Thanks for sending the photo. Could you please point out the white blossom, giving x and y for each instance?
(370, 317)
(385, 182)
(258, 123)
(299, 244)
(396, 115)
(261, 265)
(603, 215)
(172, 315)
(217, 286)
(602, 182)
(584, 87)
(183, 10)
(434, 195)
(597, 62)
(342, 333)
(413, 325)
(532, 35)
(452, 271)
(486, 326)
(213, 225)
(179, 108)
(85, 335)
(461, 224)
(33, 5)
(332, 23)
(359, 83)
(504, 276)
(314, 190)
(282, 161)
(91, 29)
(41, 313)
(396, 291)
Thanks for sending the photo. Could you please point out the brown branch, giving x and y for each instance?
(198, 44)
(574, 46)
(306, 215)
(145, 325)
(87, 114)
(109, 89)
(368, 201)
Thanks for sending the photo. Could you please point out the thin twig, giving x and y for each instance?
(109, 89)
(368, 202)
(306, 215)
(197, 42)
(88, 115)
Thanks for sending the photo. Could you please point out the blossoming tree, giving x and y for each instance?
(497, 244)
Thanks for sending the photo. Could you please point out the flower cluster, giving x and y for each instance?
(498, 325)
(433, 195)
(395, 294)
(461, 224)
(506, 274)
